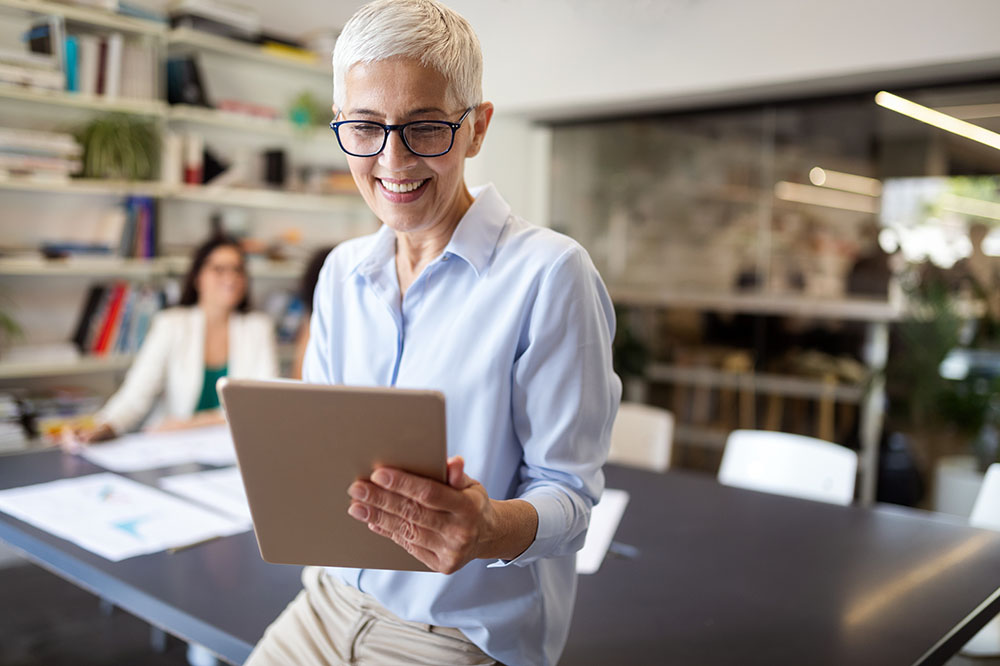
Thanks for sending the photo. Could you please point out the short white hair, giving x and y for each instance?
(425, 30)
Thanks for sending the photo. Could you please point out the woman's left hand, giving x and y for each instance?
(443, 525)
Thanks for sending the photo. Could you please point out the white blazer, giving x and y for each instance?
(171, 362)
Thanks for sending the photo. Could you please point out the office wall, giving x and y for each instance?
(576, 57)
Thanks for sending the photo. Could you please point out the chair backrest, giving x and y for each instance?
(642, 436)
(787, 464)
(986, 511)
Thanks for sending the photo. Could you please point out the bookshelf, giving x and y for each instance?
(46, 294)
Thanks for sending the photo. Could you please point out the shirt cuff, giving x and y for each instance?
(554, 520)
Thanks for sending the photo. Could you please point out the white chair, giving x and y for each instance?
(642, 436)
(787, 464)
(986, 514)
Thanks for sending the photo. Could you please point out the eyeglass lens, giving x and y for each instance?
(365, 138)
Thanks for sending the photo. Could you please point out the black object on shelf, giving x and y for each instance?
(212, 166)
(184, 82)
(275, 167)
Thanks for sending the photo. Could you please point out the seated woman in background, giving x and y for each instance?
(211, 334)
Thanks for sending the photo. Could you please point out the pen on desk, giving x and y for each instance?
(69, 441)
(177, 549)
(623, 550)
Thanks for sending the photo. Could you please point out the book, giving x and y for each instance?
(72, 64)
(20, 163)
(89, 56)
(121, 339)
(102, 65)
(32, 77)
(113, 65)
(38, 142)
(81, 335)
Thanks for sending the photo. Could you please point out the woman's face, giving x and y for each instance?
(222, 281)
(396, 91)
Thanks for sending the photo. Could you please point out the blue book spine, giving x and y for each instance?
(72, 65)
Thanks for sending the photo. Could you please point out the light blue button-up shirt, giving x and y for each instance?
(513, 324)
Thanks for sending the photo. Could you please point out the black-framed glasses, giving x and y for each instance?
(425, 138)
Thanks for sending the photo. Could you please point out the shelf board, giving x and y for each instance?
(228, 196)
(107, 266)
(139, 107)
(91, 186)
(98, 266)
(760, 382)
(238, 121)
(760, 304)
(82, 366)
(267, 199)
(207, 42)
(88, 15)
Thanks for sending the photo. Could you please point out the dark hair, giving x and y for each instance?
(189, 293)
(311, 276)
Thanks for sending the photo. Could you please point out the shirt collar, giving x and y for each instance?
(474, 239)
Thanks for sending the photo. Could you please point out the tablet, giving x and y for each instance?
(299, 446)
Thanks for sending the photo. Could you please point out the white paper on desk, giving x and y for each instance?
(219, 489)
(150, 450)
(604, 519)
(114, 517)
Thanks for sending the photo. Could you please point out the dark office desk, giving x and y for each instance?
(723, 576)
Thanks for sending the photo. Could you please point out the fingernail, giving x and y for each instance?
(358, 491)
(381, 477)
(358, 511)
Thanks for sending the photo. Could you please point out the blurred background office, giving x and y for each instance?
(795, 205)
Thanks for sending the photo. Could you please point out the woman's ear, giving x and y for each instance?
(483, 114)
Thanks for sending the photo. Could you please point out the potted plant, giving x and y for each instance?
(119, 146)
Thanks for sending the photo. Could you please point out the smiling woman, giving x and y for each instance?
(511, 322)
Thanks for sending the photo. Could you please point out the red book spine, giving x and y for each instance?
(114, 312)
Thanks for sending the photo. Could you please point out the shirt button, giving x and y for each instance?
(445, 258)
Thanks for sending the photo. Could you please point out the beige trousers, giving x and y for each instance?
(330, 624)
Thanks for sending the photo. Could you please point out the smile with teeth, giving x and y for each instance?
(401, 188)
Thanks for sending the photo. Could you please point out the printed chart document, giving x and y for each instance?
(604, 519)
(219, 489)
(115, 517)
(150, 450)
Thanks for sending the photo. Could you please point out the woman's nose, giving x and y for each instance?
(396, 155)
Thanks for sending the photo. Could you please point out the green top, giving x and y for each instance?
(209, 398)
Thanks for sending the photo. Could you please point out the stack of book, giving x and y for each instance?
(38, 71)
(115, 318)
(38, 154)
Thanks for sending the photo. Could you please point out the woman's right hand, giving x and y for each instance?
(73, 439)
